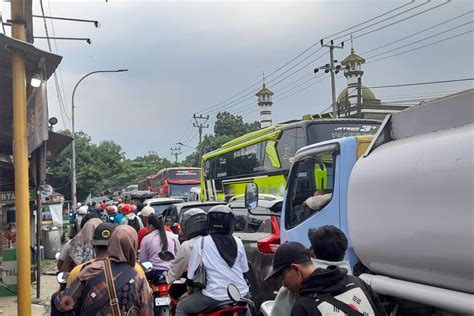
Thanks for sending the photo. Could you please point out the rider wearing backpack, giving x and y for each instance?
(89, 294)
(130, 218)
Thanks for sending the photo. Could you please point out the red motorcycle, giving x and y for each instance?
(236, 306)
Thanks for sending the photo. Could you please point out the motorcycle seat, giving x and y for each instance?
(222, 305)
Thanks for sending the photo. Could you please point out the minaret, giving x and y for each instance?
(353, 74)
(265, 105)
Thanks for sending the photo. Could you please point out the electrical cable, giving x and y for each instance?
(420, 83)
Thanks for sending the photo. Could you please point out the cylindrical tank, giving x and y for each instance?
(411, 204)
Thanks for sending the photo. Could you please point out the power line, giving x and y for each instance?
(420, 47)
(422, 31)
(420, 40)
(370, 20)
(396, 22)
(421, 83)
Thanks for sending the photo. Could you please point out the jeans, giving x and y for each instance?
(195, 303)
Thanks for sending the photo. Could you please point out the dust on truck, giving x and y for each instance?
(410, 206)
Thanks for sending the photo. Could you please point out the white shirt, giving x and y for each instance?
(180, 263)
(218, 273)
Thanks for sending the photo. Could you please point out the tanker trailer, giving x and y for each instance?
(410, 208)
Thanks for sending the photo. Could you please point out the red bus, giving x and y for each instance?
(175, 182)
(145, 184)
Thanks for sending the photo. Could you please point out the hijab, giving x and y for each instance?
(81, 249)
(123, 245)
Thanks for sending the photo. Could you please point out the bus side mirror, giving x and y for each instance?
(251, 196)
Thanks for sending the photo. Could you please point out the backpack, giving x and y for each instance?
(134, 223)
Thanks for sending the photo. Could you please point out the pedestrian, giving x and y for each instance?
(89, 293)
(224, 260)
(328, 248)
(322, 292)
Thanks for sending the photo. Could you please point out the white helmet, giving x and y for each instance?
(78, 204)
(82, 210)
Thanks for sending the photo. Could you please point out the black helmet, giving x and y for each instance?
(221, 220)
(194, 223)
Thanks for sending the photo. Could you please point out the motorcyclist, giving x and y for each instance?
(193, 226)
(157, 241)
(225, 262)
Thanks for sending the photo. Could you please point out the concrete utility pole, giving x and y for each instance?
(20, 158)
(176, 151)
(200, 123)
(331, 69)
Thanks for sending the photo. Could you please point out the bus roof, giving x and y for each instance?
(268, 131)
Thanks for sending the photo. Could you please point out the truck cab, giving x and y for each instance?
(316, 194)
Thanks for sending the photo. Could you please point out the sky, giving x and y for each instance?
(186, 56)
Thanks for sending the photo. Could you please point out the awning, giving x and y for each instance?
(37, 62)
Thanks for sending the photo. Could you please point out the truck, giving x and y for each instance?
(405, 202)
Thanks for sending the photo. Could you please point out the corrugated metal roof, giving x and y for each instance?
(37, 61)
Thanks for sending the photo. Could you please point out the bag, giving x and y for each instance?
(348, 310)
(134, 223)
(199, 279)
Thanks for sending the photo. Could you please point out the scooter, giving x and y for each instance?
(236, 306)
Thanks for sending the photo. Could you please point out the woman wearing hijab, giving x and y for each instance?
(81, 249)
(224, 260)
(88, 294)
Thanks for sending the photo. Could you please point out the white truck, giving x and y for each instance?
(405, 200)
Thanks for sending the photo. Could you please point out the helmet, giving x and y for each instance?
(194, 223)
(111, 208)
(82, 210)
(221, 220)
(79, 204)
(126, 209)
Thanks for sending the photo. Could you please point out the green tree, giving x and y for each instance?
(226, 128)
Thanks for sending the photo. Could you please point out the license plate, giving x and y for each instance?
(162, 301)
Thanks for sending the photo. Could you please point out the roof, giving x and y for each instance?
(162, 201)
(197, 204)
(264, 91)
(353, 57)
(36, 61)
(367, 94)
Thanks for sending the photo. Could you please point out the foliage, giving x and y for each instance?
(100, 167)
(226, 128)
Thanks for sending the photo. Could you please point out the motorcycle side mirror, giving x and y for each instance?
(62, 277)
(57, 256)
(147, 266)
(166, 255)
(251, 196)
(233, 293)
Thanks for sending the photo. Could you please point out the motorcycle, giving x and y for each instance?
(236, 306)
(266, 308)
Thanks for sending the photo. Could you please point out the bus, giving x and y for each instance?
(175, 182)
(145, 184)
(264, 156)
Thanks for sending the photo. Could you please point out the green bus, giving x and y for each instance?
(264, 156)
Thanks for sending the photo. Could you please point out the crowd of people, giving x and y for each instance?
(105, 275)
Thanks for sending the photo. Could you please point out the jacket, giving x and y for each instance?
(335, 282)
(285, 299)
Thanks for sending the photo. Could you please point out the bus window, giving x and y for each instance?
(312, 184)
(290, 141)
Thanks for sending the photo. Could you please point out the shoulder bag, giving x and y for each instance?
(199, 279)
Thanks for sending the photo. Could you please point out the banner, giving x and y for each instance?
(37, 118)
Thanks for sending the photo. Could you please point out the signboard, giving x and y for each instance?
(9, 272)
(8, 197)
(37, 118)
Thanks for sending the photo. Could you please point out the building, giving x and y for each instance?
(265, 105)
(359, 101)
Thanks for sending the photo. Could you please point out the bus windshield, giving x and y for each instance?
(180, 190)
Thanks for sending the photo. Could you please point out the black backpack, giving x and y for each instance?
(134, 223)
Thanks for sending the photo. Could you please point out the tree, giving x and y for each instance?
(226, 128)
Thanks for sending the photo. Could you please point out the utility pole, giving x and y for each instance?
(175, 151)
(20, 158)
(200, 123)
(332, 69)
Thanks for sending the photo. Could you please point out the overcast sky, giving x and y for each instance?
(184, 56)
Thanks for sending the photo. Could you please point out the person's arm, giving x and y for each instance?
(145, 297)
(68, 299)
(143, 256)
(284, 302)
(243, 258)
(179, 264)
(195, 259)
